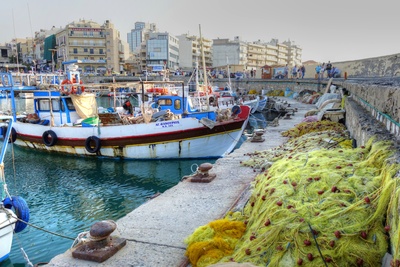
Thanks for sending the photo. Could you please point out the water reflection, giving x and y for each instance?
(67, 194)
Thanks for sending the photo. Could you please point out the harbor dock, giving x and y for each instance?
(155, 231)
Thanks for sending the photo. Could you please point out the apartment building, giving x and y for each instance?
(190, 52)
(256, 55)
(294, 53)
(96, 46)
(232, 52)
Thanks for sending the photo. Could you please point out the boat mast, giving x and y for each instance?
(229, 74)
(204, 61)
(205, 86)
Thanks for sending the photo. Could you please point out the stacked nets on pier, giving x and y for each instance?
(320, 203)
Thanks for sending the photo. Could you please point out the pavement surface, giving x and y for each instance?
(156, 230)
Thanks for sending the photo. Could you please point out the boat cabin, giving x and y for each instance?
(52, 105)
(181, 106)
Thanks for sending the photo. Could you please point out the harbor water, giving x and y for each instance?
(67, 194)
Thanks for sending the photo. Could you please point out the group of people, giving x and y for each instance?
(331, 71)
(298, 72)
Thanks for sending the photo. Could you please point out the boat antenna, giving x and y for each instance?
(229, 74)
(15, 40)
(33, 39)
(203, 59)
(205, 86)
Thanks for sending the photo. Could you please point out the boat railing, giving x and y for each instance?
(29, 79)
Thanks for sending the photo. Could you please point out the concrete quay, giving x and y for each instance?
(156, 230)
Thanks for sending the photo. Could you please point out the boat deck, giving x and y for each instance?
(156, 230)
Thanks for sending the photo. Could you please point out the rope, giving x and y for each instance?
(194, 172)
(316, 243)
(26, 257)
(85, 237)
(44, 230)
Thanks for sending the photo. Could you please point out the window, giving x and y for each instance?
(44, 104)
(70, 105)
(165, 102)
(177, 104)
(91, 51)
(85, 50)
(101, 51)
(75, 50)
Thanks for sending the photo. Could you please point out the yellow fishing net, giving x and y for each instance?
(320, 203)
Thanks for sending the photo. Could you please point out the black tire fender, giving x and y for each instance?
(49, 138)
(89, 144)
(13, 135)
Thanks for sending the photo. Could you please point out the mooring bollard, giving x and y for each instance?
(99, 245)
(202, 174)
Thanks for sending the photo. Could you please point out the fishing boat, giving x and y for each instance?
(67, 120)
(14, 211)
(262, 103)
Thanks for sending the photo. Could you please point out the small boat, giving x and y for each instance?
(69, 122)
(13, 209)
(262, 103)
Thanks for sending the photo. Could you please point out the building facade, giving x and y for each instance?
(162, 51)
(232, 52)
(96, 47)
(190, 52)
(137, 35)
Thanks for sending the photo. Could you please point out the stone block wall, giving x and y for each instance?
(385, 66)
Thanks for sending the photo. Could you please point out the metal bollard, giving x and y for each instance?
(100, 245)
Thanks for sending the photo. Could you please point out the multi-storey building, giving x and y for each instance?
(97, 47)
(190, 52)
(5, 54)
(137, 35)
(271, 55)
(44, 42)
(229, 52)
(162, 50)
(256, 55)
(294, 53)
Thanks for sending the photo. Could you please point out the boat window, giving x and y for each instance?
(70, 105)
(164, 102)
(177, 104)
(55, 104)
(44, 105)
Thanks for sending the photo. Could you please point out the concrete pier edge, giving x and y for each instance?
(156, 230)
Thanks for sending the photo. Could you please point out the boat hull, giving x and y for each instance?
(261, 104)
(7, 224)
(175, 139)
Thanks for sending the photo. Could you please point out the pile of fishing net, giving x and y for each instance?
(316, 202)
(276, 92)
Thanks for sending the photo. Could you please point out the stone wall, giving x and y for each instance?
(385, 66)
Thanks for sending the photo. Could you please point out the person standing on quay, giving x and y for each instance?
(294, 72)
(321, 73)
(286, 72)
(317, 71)
(329, 69)
(303, 71)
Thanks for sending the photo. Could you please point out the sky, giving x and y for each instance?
(335, 31)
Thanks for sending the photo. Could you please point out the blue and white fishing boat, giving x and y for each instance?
(67, 120)
(14, 211)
